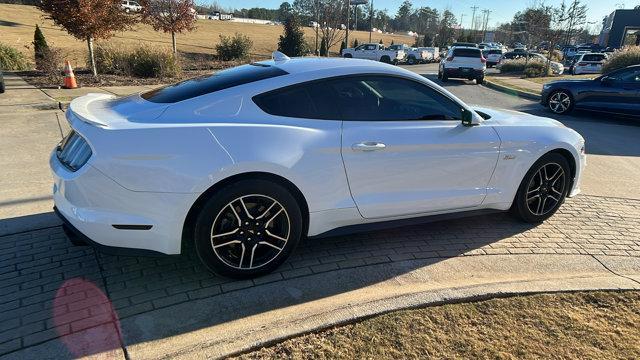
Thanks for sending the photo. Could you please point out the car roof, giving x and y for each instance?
(319, 64)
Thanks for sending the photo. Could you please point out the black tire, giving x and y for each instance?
(411, 60)
(480, 80)
(348, 56)
(385, 59)
(557, 102)
(544, 189)
(445, 78)
(439, 75)
(219, 215)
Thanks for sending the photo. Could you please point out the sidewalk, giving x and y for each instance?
(66, 95)
(20, 96)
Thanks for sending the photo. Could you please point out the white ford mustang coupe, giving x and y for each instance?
(246, 162)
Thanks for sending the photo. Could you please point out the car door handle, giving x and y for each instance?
(368, 146)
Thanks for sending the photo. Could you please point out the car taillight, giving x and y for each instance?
(582, 64)
(450, 58)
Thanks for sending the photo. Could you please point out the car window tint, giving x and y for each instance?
(462, 52)
(211, 83)
(309, 101)
(592, 57)
(386, 98)
(630, 75)
(494, 52)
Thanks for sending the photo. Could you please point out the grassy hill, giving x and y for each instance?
(17, 23)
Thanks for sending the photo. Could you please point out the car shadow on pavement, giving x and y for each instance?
(50, 289)
(605, 134)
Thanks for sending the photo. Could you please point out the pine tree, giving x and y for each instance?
(426, 41)
(343, 45)
(392, 43)
(381, 42)
(40, 47)
(323, 48)
(355, 43)
(292, 42)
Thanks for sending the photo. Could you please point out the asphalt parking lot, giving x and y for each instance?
(60, 301)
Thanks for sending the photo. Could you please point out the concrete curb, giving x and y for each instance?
(511, 91)
(252, 318)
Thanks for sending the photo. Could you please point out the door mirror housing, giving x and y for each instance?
(469, 118)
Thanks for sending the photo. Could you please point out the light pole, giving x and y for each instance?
(370, 21)
(346, 37)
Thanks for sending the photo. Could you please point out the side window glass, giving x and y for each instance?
(630, 76)
(385, 98)
(307, 101)
(291, 102)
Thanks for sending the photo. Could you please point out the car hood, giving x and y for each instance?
(502, 117)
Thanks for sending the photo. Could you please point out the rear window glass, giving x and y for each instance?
(592, 57)
(225, 79)
(493, 52)
(474, 53)
(313, 100)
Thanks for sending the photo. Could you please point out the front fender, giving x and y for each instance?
(521, 148)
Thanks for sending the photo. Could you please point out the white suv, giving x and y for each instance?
(493, 56)
(463, 62)
(589, 63)
(130, 6)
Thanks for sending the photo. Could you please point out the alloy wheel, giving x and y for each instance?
(546, 189)
(250, 231)
(560, 102)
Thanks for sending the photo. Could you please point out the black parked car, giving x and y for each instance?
(1, 82)
(616, 92)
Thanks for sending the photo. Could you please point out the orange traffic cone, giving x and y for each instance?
(69, 77)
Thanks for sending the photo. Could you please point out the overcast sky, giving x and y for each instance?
(502, 10)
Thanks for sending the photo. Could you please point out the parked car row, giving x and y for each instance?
(557, 68)
(394, 54)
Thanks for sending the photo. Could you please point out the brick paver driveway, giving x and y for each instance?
(49, 288)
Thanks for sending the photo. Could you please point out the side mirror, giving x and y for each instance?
(468, 119)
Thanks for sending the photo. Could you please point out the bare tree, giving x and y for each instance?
(88, 20)
(574, 15)
(169, 16)
(329, 14)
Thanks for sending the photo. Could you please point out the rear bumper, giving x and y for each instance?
(587, 70)
(78, 238)
(459, 73)
(106, 214)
